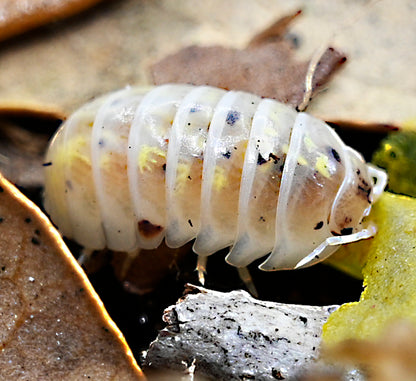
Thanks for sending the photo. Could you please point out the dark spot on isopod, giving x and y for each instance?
(101, 142)
(346, 231)
(190, 223)
(227, 154)
(365, 191)
(148, 230)
(261, 160)
(28, 220)
(274, 158)
(232, 117)
(262, 219)
(319, 225)
(1, 219)
(1, 189)
(336, 156)
(47, 164)
(164, 167)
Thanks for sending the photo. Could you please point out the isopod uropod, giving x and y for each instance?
(228, 168)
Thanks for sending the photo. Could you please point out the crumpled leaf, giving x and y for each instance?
(18, 16)
(266, 67)
(52, 323)
(389, 276)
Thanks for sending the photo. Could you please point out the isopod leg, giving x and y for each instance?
(84, 256)
(201, 268)
(128, 261)
(245, 276)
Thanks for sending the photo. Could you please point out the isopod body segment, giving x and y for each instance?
(226, 168)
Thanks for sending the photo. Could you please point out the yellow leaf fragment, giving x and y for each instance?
(389, 275)
(53, 326)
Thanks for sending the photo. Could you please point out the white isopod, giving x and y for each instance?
(228, 168)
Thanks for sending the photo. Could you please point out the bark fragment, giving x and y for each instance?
(232, 336)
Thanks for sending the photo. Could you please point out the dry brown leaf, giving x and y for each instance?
(267, 67)
(18, 16)
(52, 323)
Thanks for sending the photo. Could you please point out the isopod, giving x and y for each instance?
(226, 168)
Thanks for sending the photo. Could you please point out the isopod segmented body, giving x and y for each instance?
(228, 168)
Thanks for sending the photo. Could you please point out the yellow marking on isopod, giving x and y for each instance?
(220, 178)
(146, 157)
(309, 144)
(321, 165)
(182, 173)
(75, 151)
(76, 143)
(302, 161)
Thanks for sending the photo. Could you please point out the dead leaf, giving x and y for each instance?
(52, 323)
(267, 67)
(18, 16)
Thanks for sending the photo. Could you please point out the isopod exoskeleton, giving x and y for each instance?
(228, 168)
